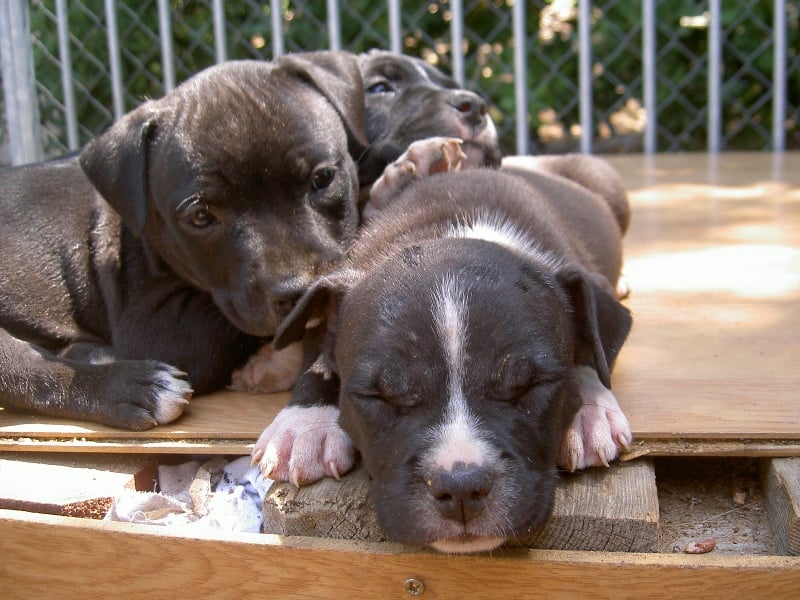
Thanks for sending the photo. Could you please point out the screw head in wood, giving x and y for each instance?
(414, 586)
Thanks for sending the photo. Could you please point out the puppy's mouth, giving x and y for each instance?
(467, 544)
(480, 145)
(261, 322)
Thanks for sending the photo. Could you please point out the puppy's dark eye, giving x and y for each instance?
(200, 218)
(323, 178)
(381, 87)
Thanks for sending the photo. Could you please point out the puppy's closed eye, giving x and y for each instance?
(516, 375)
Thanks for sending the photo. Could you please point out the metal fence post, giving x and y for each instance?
(167, 52)
(334, 26)
(521, 78)
(70, 112)
(220, 38)
(277, 27)
(114, 60)
(779, 78)
(395, 27)
(714, 102)
(649, 76)
(19, 88)
(457, 40)
(585, 73)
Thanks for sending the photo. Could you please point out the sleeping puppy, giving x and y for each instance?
(471, 335)
(406, 100)
(161, 258)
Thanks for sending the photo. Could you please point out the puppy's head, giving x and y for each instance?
(409, 100)
(456, 361)
(241, 179)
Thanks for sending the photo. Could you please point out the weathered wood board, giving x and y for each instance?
(782, 483)
(613, 509)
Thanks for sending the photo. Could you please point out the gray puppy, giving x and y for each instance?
(159, 260)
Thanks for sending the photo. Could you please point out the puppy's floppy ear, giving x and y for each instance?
(321, 299)
(602, 322)
(337, 77)
(116, 164)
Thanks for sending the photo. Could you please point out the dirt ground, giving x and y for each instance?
(704, 499)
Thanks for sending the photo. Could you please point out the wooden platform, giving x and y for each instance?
(713, 260)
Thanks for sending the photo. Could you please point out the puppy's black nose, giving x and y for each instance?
(461, 493)
(284, 299)
(470, 107)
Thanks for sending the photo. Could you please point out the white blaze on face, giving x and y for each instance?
(457, 438)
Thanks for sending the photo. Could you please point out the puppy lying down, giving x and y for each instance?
(468, 348)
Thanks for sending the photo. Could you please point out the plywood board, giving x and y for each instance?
(710, 367)
(713, 259)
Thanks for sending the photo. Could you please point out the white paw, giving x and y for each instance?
(599, 429)
(303, 445)
(422, 158)
(269, 370)
(172, 395)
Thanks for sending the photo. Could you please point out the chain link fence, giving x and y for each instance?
(163, 42)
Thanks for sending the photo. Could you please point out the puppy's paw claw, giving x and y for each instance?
(598, 431)
(421, 159)
(303, 445)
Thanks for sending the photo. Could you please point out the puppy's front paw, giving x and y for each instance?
(421, 159)
(269, 370)
(599, 429)
(303, 445)
(142, 394)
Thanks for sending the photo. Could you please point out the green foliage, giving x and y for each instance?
(552, 65)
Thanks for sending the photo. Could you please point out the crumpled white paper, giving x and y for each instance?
(217, 495)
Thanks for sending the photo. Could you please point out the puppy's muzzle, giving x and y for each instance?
(461, 494)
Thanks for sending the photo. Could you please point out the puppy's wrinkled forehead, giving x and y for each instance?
(409, 71)
(254, 133)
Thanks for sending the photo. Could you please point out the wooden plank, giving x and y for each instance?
(145, 561)
(783, 502)
(226, 415)
(613, 509)
(62, 485)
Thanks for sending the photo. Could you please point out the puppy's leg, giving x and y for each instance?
(598, 431)
(423, 158)
(269, 370)
(131, 394)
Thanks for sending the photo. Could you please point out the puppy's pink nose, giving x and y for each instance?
(461, 493)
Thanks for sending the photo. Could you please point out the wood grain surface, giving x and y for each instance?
(81, 558)
(713, 260)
